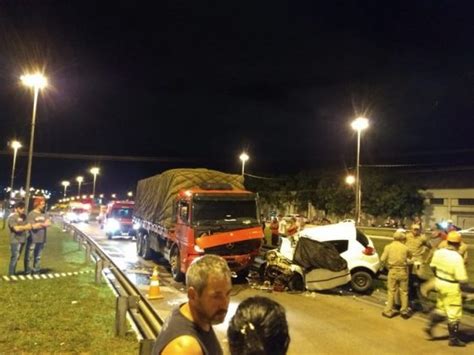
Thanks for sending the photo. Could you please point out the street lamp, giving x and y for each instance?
(79, 180)
(350, 180)
(244, 157)
(359, 124)
(36, 82)
(65, 184)
(94, 171)
(15, 145)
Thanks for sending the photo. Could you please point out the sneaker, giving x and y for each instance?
(405, 315)
(388, 315)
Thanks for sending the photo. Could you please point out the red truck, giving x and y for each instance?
(182, 214)
(117, 219)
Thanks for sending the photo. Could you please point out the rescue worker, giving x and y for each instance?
(451, 278)
(419, 247)
(274, 228)
(396, 257)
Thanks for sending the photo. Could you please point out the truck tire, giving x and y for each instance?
(146, 252)
(296, 283)
(175, 263)
(361, 281)
(139, 244)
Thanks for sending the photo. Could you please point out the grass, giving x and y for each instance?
(61, 315)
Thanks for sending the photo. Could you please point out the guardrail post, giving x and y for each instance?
(121, 308)
(146, 346)
(88, 253)
(123, 304)
(99, 266)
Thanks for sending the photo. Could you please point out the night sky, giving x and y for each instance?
(193, 83)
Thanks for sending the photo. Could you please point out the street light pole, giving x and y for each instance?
(36, 81)
(243, 157)
(79, 180)
(15, 145)
(359, 125)
(94, 171)
(65, 184)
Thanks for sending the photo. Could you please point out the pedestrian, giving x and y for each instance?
(274, 228)
(18, 234)
(396, 257)
(36, 241)
(188, 330)
(258, 327)
(451, 278)
(419, 246)
(282, 226)
(292, 228)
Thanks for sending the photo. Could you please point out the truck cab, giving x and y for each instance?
(117, 219)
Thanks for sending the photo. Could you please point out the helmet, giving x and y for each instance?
(454, 237)
(399, 235)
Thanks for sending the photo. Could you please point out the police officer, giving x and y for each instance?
(18, 234)
(451, 276)
(419, 246)
(396, 257)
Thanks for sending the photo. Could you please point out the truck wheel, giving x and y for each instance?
(361, 281)
(175, 263)
(139, 244)
(146, 252)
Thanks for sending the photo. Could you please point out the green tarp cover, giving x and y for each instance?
(155, 195)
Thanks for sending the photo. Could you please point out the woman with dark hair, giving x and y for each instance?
(258, 327)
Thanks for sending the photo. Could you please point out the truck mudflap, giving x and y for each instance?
(226, 238)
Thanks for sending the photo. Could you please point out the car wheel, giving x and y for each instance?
(296, 283)
(361, 281)
(175, 263)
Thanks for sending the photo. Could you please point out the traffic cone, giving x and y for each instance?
(154, 292)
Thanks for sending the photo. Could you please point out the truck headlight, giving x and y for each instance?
(136, 226)
(112, 226)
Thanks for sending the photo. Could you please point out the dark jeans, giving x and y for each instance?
(34, 249)
(16, 250)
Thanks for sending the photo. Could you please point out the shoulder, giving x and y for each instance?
(185, 344)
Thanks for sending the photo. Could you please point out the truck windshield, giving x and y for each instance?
(122, 212)
(234, 211)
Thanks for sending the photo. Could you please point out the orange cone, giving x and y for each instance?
(154, 292)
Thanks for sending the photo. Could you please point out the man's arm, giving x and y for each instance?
(184, 344)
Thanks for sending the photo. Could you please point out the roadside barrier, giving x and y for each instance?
(130, 301)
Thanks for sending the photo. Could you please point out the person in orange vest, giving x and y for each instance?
(274, 228)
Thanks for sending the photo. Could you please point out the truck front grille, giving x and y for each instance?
(239, 248)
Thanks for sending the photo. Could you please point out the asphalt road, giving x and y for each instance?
(320, 323)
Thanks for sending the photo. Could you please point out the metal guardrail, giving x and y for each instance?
(129, 299)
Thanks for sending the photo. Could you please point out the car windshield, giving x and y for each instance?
(122, 212)
(232, 211)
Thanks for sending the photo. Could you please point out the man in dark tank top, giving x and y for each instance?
(188, 330)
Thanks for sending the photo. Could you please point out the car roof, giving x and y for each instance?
(343, 230)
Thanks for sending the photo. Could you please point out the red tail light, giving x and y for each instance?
(368, 250)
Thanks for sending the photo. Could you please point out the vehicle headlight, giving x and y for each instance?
(112, 226)
(136, 226)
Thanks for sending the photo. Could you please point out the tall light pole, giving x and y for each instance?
(15, 145)
(65, 184)
(36, 82)
(79, 180)
(94, 171)
(359, 124)
(243, 157)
